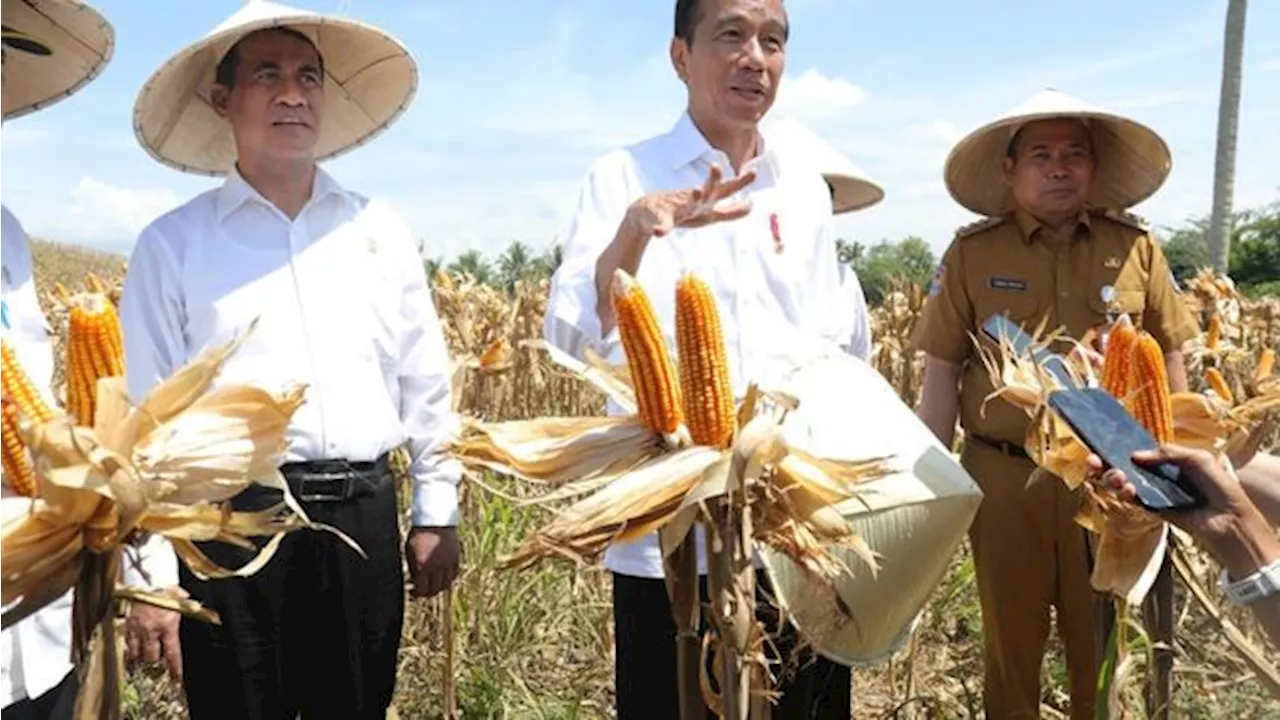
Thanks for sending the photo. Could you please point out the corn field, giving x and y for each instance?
(538, 643)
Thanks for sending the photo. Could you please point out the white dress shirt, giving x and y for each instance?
(776, 308)
(859, 344)
(35, 653)
(343, 306)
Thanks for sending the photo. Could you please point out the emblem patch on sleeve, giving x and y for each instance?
(938, 275)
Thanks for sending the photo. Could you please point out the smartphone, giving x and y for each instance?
(1107, 429)
(997, 327)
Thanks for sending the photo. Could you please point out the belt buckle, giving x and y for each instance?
(348, 488)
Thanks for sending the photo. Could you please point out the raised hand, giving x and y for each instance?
(659, 213)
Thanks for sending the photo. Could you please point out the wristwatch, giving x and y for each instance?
(1248, 590)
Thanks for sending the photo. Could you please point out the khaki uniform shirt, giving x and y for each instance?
(1013, 264)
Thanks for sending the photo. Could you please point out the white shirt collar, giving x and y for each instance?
(686, 144)
(236, 191)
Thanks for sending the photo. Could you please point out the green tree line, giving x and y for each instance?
(1254, 260)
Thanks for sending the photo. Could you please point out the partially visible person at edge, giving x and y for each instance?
(1053, 178)
(48, 54)
(1230, 527)
(709, 195)
(342, 305)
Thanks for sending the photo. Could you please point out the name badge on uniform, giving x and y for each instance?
(999, 283)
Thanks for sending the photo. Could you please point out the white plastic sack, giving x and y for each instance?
(914, 518)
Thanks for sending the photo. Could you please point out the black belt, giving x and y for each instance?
(1003, 446)
(336, 480)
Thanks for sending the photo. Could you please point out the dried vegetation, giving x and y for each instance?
(538, 643)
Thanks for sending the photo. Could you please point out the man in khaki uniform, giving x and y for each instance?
(1053, 177)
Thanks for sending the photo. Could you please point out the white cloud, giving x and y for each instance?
(1159, 100)
(1270, 66)
(102, 214)
(815, 95)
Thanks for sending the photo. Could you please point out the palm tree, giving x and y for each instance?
(1224, 168)
(514, 265)
(474, 264)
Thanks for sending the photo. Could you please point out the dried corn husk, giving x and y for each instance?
(1132, 542)
(166, 466)
(755, 493)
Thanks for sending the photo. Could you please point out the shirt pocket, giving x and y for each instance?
(1113, 294)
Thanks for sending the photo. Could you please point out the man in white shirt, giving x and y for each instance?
(48, 54)
(342, 304)
(762, 241)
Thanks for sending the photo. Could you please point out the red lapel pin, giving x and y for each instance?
(777, 236)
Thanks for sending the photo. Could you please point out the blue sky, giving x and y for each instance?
(517, 98)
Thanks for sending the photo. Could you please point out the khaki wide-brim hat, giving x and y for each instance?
(1133, 161)
(52, 48)
(854, 189)
(370, 78)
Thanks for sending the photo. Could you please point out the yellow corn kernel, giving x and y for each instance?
(1219, 384)
(1213, 336)
(17, 466)
(94, 351)
(1116, 360)
(704, 368)
(20, 390)
(20, 396)
(652, 373)
(1266, 363)
(1149, 382)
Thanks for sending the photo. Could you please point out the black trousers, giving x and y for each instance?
(811, 687)
(57, 703)
(316, 631)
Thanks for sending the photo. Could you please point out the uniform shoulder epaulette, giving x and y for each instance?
(974, 228)
(1125, 217)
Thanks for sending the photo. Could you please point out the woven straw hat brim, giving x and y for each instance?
(854, 188)
(370, 79)
(1133, 161)
(52, 49)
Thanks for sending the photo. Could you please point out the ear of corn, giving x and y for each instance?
(704, 370)
(94, 351)
(652, 372)
(1149, 382)
(1266, 363)
(1214, 332)
(20, 397)
(1117, 359)
(1214, 378)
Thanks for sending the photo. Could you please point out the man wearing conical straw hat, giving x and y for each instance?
(1054, 178)
(851, 189)
(339, 295)
(50, 50)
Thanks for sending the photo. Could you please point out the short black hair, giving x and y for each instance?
(688, 14)
(225, 75)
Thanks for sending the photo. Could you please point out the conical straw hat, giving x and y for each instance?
(370, 79)
(854, 189)
(52, 48)
(914, 518)
(1133, 161)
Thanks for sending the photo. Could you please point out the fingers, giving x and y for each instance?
(173, 654)
(735, 185)
(132, 643)
(1176, 454)
(151, 647)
